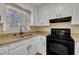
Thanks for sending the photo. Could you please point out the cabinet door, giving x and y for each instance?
(49, 11)
(75, 17)
(32, 46)
(36, 19)
(65, 10)
(4, 49)
(42, 45)
(77, 48)
(19, 51)
(14, 45)
(43, 12)
(32, 18)
(54, 11)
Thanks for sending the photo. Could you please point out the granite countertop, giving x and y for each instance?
(8, 38)
(75, 36)
(11, 38)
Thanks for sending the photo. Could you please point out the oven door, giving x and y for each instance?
(55, 47)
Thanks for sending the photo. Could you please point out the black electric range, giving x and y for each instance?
(60, 42)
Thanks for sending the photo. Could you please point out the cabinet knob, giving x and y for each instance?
(28, 47)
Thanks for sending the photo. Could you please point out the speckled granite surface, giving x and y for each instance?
(75, 36)
(12, 37)
(8, 38)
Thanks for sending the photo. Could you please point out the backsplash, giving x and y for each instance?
(74, 28)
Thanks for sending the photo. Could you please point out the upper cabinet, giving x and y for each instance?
(64, 10)
(58, 10)
(44, 13)
(75, 16)
(39, 17)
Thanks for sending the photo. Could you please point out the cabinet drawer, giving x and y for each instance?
(25, 41)
(17, 44)
(22, 50)
(3, 49)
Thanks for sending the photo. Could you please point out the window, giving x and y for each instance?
(16, 19)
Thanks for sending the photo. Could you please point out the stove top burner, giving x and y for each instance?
(54, 37)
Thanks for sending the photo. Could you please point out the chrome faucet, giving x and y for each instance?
(21, 29)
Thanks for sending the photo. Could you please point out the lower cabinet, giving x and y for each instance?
(42, 45)
(25, 47)
(29, 47)
(37, 44)
(33, 48)
(4, 50)
(22, 50)
(77, 48)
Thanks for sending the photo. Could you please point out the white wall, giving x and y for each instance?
(26, 6)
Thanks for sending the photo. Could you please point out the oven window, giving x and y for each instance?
(58, 49)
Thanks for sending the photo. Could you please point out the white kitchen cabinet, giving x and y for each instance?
(27, 46)
(76, 48)
(17, 44)
(43, 13)
(37, 44)
(36, 17)
(52, 11)
(19, 47)
(48, 11)
(22, 50)
(75, 16)
(42, 45)
(32, 18)
(65, 9)
(37, 21)
(4, 50)
(32, 46)
(24, 47)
